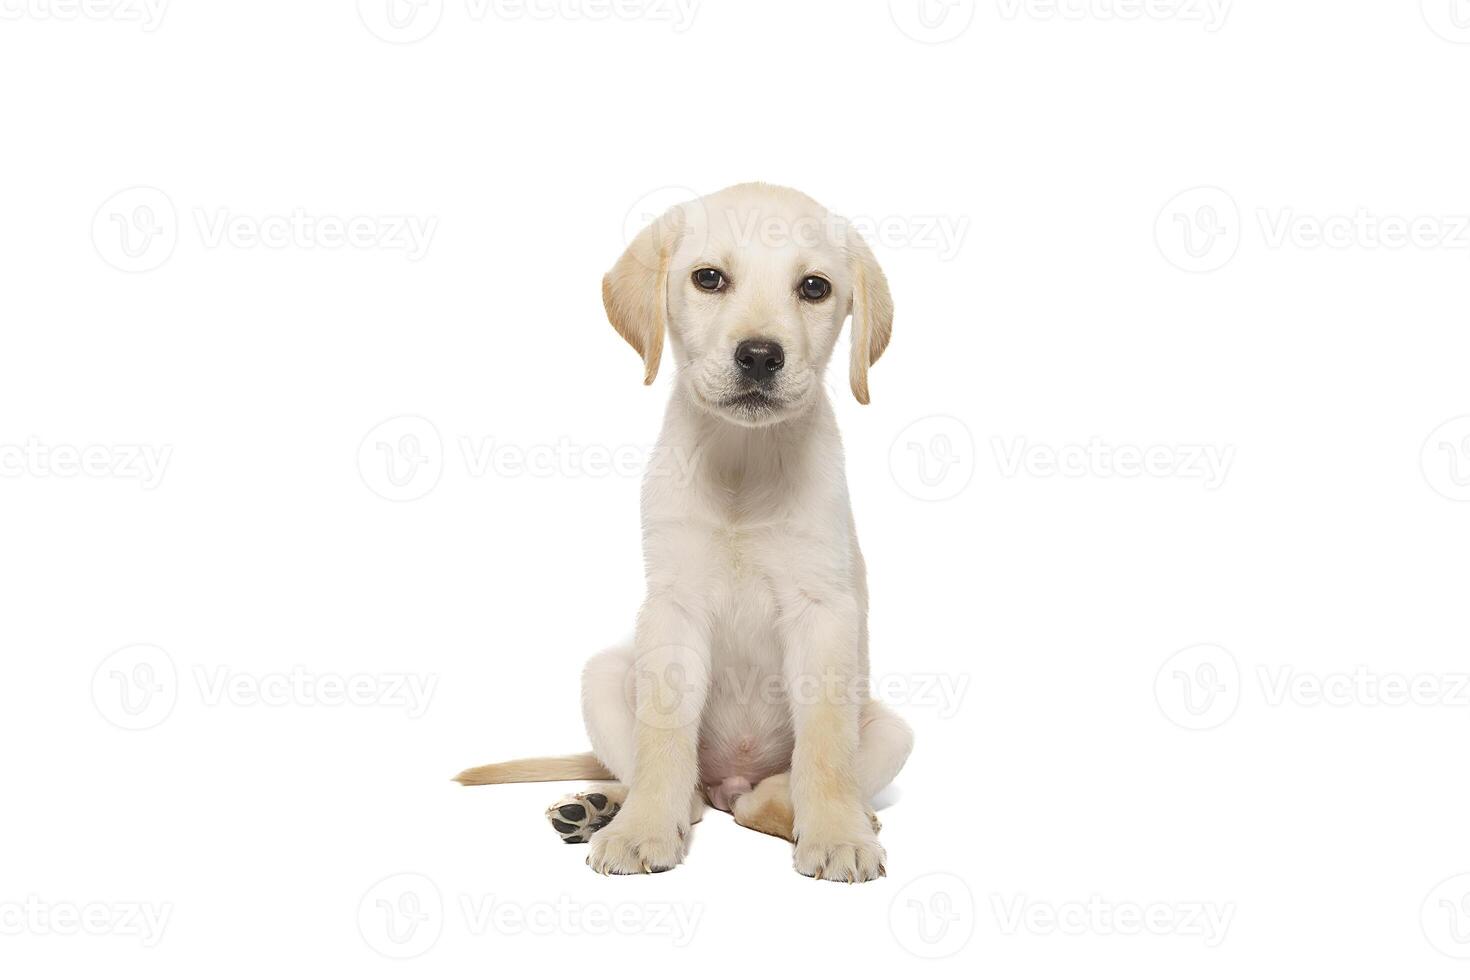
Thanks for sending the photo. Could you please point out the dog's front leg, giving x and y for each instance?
(835, 839)
(670, 682)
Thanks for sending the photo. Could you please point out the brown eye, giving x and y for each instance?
(710, 280)
(814, 288)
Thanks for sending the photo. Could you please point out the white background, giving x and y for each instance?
(1087, 295)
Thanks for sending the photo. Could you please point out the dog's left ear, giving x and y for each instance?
(635, 291)
(872, 312)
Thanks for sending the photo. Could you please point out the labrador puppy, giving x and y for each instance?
(746, 683)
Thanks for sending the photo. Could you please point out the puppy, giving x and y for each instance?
(746, 684)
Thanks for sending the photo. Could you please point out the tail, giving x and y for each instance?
(539, 770)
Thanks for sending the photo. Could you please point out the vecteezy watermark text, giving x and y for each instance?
(665, 687)
(1200, 687)
(403, 459)
(565, 916)
(1206, 463)
(299, 687)
(300, 229)
(1363, 229)
(138, 686)
(138, 229)
(1361, 687)
(1211, 14)
(124, 461)
(1097, 916)
(403, 915)
(943, 234)
(148, 14)
(409, 21)
(35, 916)
(1201, 229)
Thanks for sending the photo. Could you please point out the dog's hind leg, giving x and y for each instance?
(607, 710)
(884, 742)
(608, 715)
(578, 816)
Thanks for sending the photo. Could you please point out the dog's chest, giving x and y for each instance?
(747, 556)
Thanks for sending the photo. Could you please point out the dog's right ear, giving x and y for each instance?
(636, 290)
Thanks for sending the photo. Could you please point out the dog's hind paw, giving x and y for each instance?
(577, 817)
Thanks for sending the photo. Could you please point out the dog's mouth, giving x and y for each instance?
(747, 404)
(754, 400)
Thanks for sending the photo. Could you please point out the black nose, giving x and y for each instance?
(759, 360)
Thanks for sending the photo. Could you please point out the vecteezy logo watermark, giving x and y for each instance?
(137, 230)
(1445, 917)
(665, 687)
(37, 460)
(932, 21)
(933, 916)
(1199, 229)
(1097, 916)
(34, 916)
(407, 21)
(1445, 459)
(1207, 464)
(933, 459)
(1209, 13)
(1450, 19)
(148, 14)
(401, 916)
(400, 21)
(654, 205)
(403, 459)
(1198, 687)
(672, 211)
(136, 687)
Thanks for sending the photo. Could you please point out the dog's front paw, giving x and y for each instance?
(848, 851)
(633, 844)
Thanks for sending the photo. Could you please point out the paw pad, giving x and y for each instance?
(576, 818)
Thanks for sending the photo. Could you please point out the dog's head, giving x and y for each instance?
(751, 285)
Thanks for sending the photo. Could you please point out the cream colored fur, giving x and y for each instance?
(749, 663)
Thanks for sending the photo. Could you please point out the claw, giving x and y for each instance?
(882, 871)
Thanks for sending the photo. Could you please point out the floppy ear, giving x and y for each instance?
(635, 291)
(872, 313)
